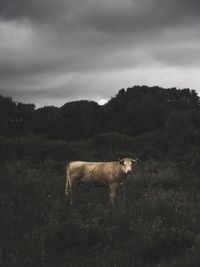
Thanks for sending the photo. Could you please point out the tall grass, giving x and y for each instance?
(155, 221)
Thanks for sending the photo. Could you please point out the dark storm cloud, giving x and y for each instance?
(110, 15)
(32, 9)
(60, 49)
(143, 16)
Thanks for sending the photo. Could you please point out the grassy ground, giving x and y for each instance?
(155, 221)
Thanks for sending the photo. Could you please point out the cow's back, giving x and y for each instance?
(91, 172)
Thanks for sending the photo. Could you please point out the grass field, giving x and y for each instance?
(155, 221)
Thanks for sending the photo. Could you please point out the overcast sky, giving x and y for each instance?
(55, 51)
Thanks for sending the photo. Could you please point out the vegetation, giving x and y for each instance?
(156, 219)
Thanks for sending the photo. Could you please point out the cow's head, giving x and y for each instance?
(128, 165)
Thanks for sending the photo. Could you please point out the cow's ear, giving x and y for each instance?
(134, 160)
(121, 161)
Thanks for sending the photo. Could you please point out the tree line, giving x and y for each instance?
(136, 111)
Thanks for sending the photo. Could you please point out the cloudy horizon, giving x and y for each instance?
(53, 52)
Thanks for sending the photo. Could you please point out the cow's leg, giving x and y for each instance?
(112, 193)
(68, 187)
(67, 190)
(71, 186)
(69, 194)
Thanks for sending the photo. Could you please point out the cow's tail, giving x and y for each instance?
(68, 182)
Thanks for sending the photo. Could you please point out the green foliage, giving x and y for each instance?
(36, 148)
(15, 118)
(111, 146)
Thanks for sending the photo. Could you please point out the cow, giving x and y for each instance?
(108, 174)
